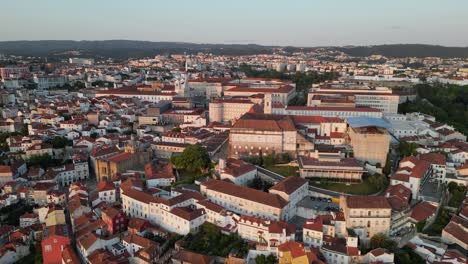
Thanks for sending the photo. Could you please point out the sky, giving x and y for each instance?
(267, 22)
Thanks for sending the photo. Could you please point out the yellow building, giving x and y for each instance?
(55, 216)
(292, 252)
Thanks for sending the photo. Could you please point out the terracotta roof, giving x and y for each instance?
(457, 227)
(297, 249)
(237, 167)
(188, 213)
(69, 256)
(111, 212)
(423, 211)
(120, 157)
(277, 227)
(139, 196)
(185, 256)
(88, 240)
(137, 223)
(265, 122)
(105, 186)
(5, 169)
(367, 202)
(138, 240)
(289, 184)
(269, 199)
(434, 158)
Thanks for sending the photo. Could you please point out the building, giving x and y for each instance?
(54, 240)
(6, 174)
(366, 215)
(177, 214)
(226, 110)
(315, 229)
(266, 233)
(292, 252)
(142, 248)
(236, 171)
(456, 232)
(381, 98)
(329, 167)
(115, 220)
(106, 192)
(340, 250)
(45, 82)
(246, 201)
(159, 175)
(188, 257)
(255, 134)
(81, 61)
(292, 189)
(108, 167)
(142, 92)
(413, 174)
(438, 163)
(326, 111)
(370, 139)
(281, 91)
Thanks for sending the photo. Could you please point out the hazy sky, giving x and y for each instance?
(286, 22)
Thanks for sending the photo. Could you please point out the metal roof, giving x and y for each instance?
(364, 121)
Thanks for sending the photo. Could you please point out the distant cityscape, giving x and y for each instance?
(254, 154)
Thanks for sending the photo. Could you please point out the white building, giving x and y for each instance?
(265, 232)
(246, 201)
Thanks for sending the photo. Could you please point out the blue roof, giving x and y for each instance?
(364, 121)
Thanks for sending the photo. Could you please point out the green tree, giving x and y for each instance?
(380, 240)
(193, 158)
(60, 142)
(407, 256)
(262, 259)
(407, 149)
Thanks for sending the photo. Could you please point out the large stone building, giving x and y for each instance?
(366, 215)
(344, 95)
(369, 138)
(230, 109)
(256, 133)
(108, 167)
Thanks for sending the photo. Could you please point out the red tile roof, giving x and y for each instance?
(289, 184)
(423, 211)
(269, 199)
(367, 202)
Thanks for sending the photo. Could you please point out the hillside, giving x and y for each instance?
(123, 49)
(407, 50)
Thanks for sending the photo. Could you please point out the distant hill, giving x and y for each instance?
(122, 49)
(407, 50)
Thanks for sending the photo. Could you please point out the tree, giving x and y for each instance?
(407, 256)
(387, 169)
(407, 149)
(420, 225)
(60, 142)
(268, 160)
(194, 158)
(262, 259)
(380, 240)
